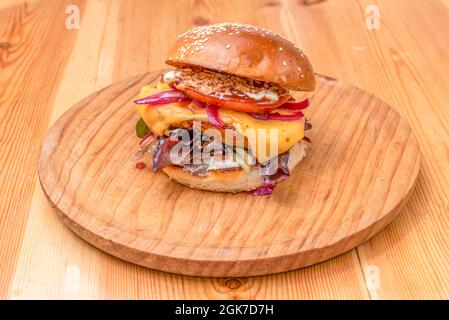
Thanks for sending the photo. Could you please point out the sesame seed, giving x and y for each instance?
(199, 35)
(228, 46)
(284, 63)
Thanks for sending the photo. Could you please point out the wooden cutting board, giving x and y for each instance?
(360, 168)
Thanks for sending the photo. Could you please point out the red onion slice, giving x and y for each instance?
(277, 116)
(214, 118)
(161, 158)
(307, 139)
(147, 139)
(296, 105)
(307, 126)
(285, 117)
(265, 190)
(199, 103)
(259, 116)
(163, 97)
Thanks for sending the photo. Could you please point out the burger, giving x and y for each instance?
(228, 116)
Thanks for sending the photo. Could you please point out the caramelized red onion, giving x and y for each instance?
(285, 117)
(277, 116)
(269, 181)
(214, 117)
(307, 139)
(147, 140)
(259, 116)
(199, 103)
(264, 190)
(296, 105)
(163, 97)
(161, 157)
(307, 125)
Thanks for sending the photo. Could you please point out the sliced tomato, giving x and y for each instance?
(236, 103)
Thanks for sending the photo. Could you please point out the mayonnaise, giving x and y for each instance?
(264, 94)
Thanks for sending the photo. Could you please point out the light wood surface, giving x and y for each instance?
(46, 68)
(357, 175)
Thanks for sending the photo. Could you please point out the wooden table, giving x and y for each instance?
(46, 67)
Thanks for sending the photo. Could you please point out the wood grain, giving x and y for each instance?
(404, 63)
(24, 113)
(357, 175)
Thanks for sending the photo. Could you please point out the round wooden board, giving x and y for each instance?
(360, 168)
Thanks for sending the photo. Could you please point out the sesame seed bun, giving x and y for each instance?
(230, 180)
(246, 51)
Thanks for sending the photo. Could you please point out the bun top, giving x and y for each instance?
(246, 51)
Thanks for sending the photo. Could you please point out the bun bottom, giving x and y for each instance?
(230, 180)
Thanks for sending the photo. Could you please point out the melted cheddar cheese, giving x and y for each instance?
(257, 132)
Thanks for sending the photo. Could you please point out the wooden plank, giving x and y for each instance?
(394, 62)
(29, 33)
(411, 254)
(74, 265)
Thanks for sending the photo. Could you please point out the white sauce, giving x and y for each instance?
(170, 76)
(264, 94)
(222, 164)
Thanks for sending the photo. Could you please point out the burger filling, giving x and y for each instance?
(203, 120)
(222, 85)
